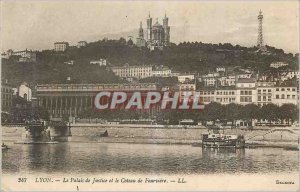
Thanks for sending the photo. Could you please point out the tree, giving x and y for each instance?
(214, 111)
(289, 112)
(233, 112)
(250, 112)
(270, 112)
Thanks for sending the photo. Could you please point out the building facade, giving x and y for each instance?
(265, 93)
(246, 91)
(162, 72)
(25, 92)
(284, 95)
(24, 56)
(81, 44)
(138, 72)
(158, 36)
(6, 96)
(61, 46)
(276, 65)
(185, 78)
(72, 99)
(100, 62)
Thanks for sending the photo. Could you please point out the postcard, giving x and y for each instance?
(150, 95)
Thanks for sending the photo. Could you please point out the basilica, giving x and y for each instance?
(157, 36)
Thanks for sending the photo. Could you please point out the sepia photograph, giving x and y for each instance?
(149, 95)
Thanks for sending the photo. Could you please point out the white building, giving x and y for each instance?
(4, 55)
(61, 46)
(223, 96)
(278, 64)
(264, 92)
(24, 56)
(226, 80)
(81, 44)
(71, 62)
(100, 62)
(24, 91)
(244, 75)
(210, 79)
(185, 78)
(292, 74)
(162, 72)
(246, 91)
(138, 72)
(7, 54)
(187, 86)
(284, 95)
(220, 69)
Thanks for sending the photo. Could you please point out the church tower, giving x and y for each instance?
(149, 28)
(166, 30)
(141, 31)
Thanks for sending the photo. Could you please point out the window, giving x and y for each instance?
(282, 96)
(259, 98)
(269, 90)
(277, 96)
(264, 90)
(277, 89)
(269, 98)
(264, 98)
(293, 89)
(282, 89)
(259, 91)
(293, 96)
(288, 96)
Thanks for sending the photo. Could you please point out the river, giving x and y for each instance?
(91, 157)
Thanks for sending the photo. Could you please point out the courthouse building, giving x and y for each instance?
(71, 99)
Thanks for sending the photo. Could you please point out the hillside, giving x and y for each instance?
(184, 57)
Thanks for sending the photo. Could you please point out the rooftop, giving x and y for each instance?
(247, 80)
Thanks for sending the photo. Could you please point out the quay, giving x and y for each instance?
(285, 137)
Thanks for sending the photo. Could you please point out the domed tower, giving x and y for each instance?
(166, 30)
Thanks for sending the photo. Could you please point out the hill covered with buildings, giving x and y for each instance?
(75, 64)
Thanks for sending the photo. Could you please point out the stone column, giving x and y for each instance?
(51, 108)
(75, 106)
(85, 102)
(56, 106)
(71, 106)
(60, 108)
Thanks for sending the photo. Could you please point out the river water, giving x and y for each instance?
(84, 157)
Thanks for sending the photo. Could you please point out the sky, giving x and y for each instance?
(37, 25)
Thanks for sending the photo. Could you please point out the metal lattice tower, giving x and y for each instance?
(260, 41)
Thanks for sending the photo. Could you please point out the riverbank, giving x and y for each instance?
(258, 137)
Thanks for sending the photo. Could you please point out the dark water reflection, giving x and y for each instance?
(144, 158)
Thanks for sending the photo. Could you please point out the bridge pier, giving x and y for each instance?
(40, 133)
(60, 133)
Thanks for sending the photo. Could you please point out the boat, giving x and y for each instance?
(216, 139)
